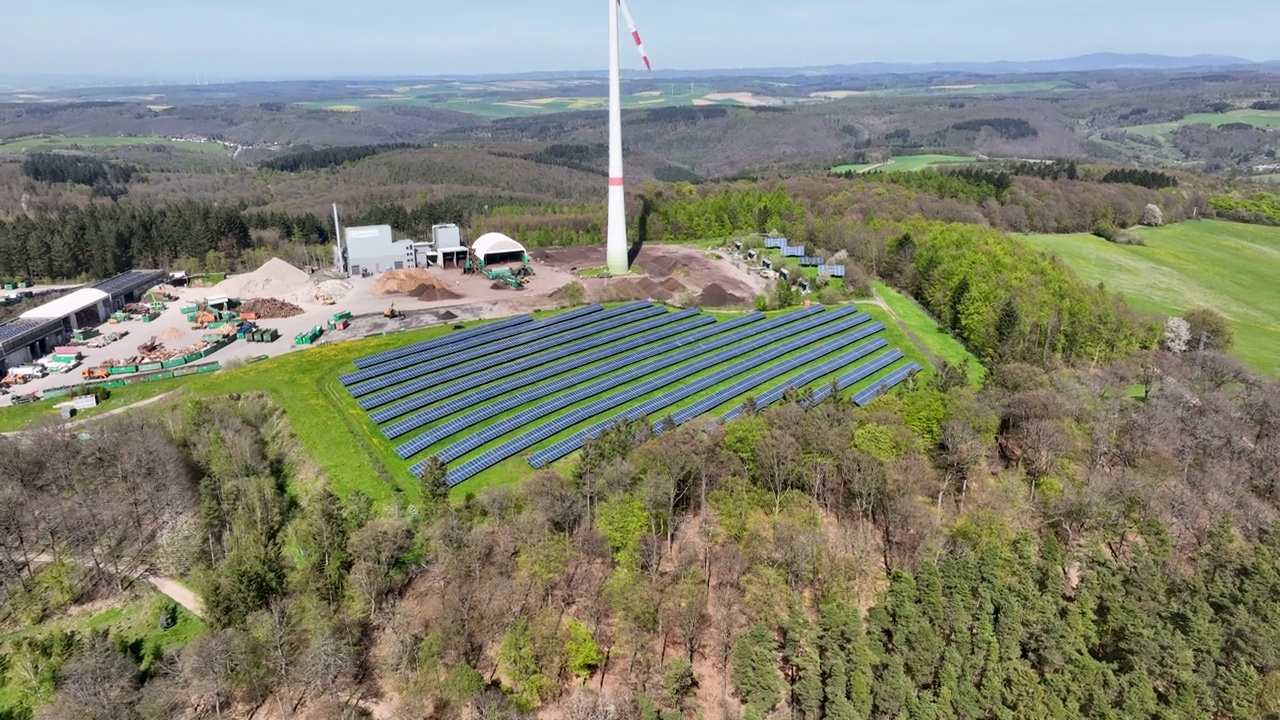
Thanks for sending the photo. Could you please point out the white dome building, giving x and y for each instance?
(494, 248)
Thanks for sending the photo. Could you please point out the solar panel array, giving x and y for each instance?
(811, 261)
(835, 271)
(793, 251)
(775, 393)
(683, 392)
(130, 281)
(616, 341)
(861, 373)
(21, 326)
(730, 347)
(418, 379)
(443, 340)
(775, 243)
(372, 376)
(885, 384)
(606, 362)
(613, 357)
(749, 337)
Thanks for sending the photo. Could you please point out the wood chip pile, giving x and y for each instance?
(270, 308)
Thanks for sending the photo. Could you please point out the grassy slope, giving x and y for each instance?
(937, 341)
(21, 145)
(1230, 267)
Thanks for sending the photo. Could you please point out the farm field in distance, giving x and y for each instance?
(61, 142)
(907, 163)
(1229, 267)
(1265, 119)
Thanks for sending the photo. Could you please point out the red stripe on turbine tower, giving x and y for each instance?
(615, 182)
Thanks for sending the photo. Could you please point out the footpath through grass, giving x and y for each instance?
(1230, 267)
(937, 341)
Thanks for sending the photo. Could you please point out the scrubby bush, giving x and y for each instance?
(1211, 324)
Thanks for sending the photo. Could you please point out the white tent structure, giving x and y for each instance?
(71, 306)
(496, 248)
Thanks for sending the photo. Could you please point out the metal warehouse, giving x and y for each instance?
(37, 331)
(374, 249)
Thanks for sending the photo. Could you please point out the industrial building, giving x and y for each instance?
(36, 332)
(493, 248)
(446, 244)
(374, 249)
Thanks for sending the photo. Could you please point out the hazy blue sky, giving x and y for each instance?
(180, 38)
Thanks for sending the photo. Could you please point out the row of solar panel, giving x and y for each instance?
(670, 373)
(444, 340)
(835, 271)
(754, 380)
(615, 358)
(653, 406)
(556, 323)
(793, 251)
(526, 336)
(866, 370)
(811, 261)
(775, 243)
(885, 384)
(541, 366)
(852, 378)
(414, 380)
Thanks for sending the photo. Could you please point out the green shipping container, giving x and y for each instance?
(162, 376)
(148, 367)
(185, 370)
(174, 363)
(55, 393)
(213, 367)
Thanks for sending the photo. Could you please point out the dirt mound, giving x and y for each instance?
(714, 295)
(431, 293)
(660, 265)
(406, 282)
(270, 308)
(276, 278)
(310, 294)
(673, 285)
(171, 334)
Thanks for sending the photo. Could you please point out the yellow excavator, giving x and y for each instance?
(391, 313)
(323, 297)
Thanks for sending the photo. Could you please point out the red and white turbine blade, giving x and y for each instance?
(635, 34)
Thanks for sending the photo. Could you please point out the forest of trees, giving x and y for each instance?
(1152, 179)
(329, 157)
(1046, 547)
(108, 179)
(1007, 128)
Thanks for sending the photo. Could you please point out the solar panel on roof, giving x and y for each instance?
(130, 281)
(670, 375)
(21, 326)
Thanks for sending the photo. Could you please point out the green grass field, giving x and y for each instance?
(342, 438)
(924, 328)
(1230, 267)
(907, 163)
(60, 142)
(1266, 119)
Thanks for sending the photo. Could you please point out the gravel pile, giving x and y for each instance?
(275, 279)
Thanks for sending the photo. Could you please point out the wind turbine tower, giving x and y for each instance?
(616, 238)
